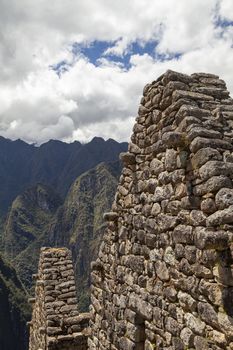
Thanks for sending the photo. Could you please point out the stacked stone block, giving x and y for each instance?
(163, 278)
(56, 323)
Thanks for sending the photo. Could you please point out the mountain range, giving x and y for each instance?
(54, 163)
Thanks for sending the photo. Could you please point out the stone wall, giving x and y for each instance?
(56, 323)
(163, 277)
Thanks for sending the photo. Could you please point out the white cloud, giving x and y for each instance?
(225, 9)
(188, 27)
(119, 49)
(89, 100)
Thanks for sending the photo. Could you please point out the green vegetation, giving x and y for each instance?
(37, 218)
(26, 224)
(82, 222)
(15, 310)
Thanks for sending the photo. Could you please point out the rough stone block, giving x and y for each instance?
(221, 217)
(208, 239)
(183, 234)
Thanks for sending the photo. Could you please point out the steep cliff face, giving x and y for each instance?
(14, 310)
(26, 223)
(79, 224)
(88, 157)
(37, 218)
(163, 277)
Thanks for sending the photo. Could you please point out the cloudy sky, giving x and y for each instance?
(75, 69)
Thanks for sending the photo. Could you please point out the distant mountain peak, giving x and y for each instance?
(97, 139)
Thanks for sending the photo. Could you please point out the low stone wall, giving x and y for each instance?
(163, 277)
(56, 323)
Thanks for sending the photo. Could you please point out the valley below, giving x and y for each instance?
(53, 195)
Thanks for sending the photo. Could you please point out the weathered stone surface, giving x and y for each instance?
(145, 310)
(201, 343)
(175, 76)
(136, 263)
(205, 239)
(203, 155)
(56, 324)
(162, 271)
(208, 206)
(171, 159)
(187, 337)
(198, 131)
(224, 198)
(212, 91)
(156, 166)
(126, 344)
(172, 326)
(187, 302)
(193, 111)
(224, 275)
(127, 158)
(178, 94)
(197, 218)
(219, 338)
(226, 324)
(166, 222)
(220, 217)
(208, 314)
(173, 139)
(213, 184)
(194, 323)
(134, 148)
(169, 256)
(183, 234)
(143, 110)
(201, 142)
(156, 209)
(213, 291)
(111, 216)
(201, 75)
(214, 168)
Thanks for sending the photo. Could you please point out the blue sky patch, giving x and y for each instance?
(60, 67)
(222, 22)
(95, 51)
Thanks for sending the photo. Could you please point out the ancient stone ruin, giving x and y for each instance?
(163, 277)
(56, 323)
